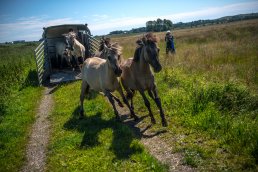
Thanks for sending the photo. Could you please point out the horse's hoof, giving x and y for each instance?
(153, 121)
(118, 119)
(81, 114)
(120, 104)
(136, 118)
(164, 123)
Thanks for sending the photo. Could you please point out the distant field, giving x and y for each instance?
(226, 51)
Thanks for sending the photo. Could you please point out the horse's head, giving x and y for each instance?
(151, 51)
(69, 39)
(104, 41)
(113, 55)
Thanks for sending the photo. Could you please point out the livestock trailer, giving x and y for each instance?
(46, 56)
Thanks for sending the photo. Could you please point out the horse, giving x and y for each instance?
(63, 53)
(76, 48)
(101, 74)
(137, 75)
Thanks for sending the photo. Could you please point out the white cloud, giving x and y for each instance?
(215, 12)
(98, 17)
(30, 28)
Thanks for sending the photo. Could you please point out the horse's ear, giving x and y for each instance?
(105, 48)
(144, 40)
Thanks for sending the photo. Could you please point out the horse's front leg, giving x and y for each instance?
(111, 100)
(158, 103)
(147, 104)
(127, 104)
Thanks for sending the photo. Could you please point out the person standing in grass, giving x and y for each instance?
(169, 39)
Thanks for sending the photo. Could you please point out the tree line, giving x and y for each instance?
(163, 25)
(151, 26)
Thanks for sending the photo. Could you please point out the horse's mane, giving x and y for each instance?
(72, 34)
(116, 48)
(148, 38)
(138, 49)
(103, 42)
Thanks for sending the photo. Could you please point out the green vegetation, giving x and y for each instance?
(208, 90)
(158, 25)
(18, 100)
(96, 143)
(209, 93)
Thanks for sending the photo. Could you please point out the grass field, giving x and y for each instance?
(19, 97)
(209, 91)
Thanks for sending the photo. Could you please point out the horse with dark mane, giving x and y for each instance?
(103, 42)
(137, 74)
(101, 74)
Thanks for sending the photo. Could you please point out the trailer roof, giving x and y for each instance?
(58, 30)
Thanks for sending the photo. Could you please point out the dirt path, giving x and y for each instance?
(37, 146)
(155, 144)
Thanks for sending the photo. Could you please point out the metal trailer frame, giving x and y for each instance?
(46, 51)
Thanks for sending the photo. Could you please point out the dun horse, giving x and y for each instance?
(101, 75)
(77, 49)
(137, 74)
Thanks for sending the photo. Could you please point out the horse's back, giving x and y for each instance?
(92, 72)
(132, 77)
(94, 62)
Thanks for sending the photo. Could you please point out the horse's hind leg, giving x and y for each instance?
(110, 98)
(158, 103)
(117, 100)
(129, 95)
(147, 104)
(151, 94)
(127, 104)
(84, 90)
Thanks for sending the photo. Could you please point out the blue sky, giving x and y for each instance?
(24, 19)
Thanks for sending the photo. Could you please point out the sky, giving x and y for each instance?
(24, 19)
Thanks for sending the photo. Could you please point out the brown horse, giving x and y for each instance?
(103, 42)
(137, 74)
(101, 75)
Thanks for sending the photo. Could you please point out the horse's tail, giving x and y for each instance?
(81, 66)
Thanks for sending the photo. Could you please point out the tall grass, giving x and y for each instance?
(17, 68)
(19, 96)
(209, 92)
